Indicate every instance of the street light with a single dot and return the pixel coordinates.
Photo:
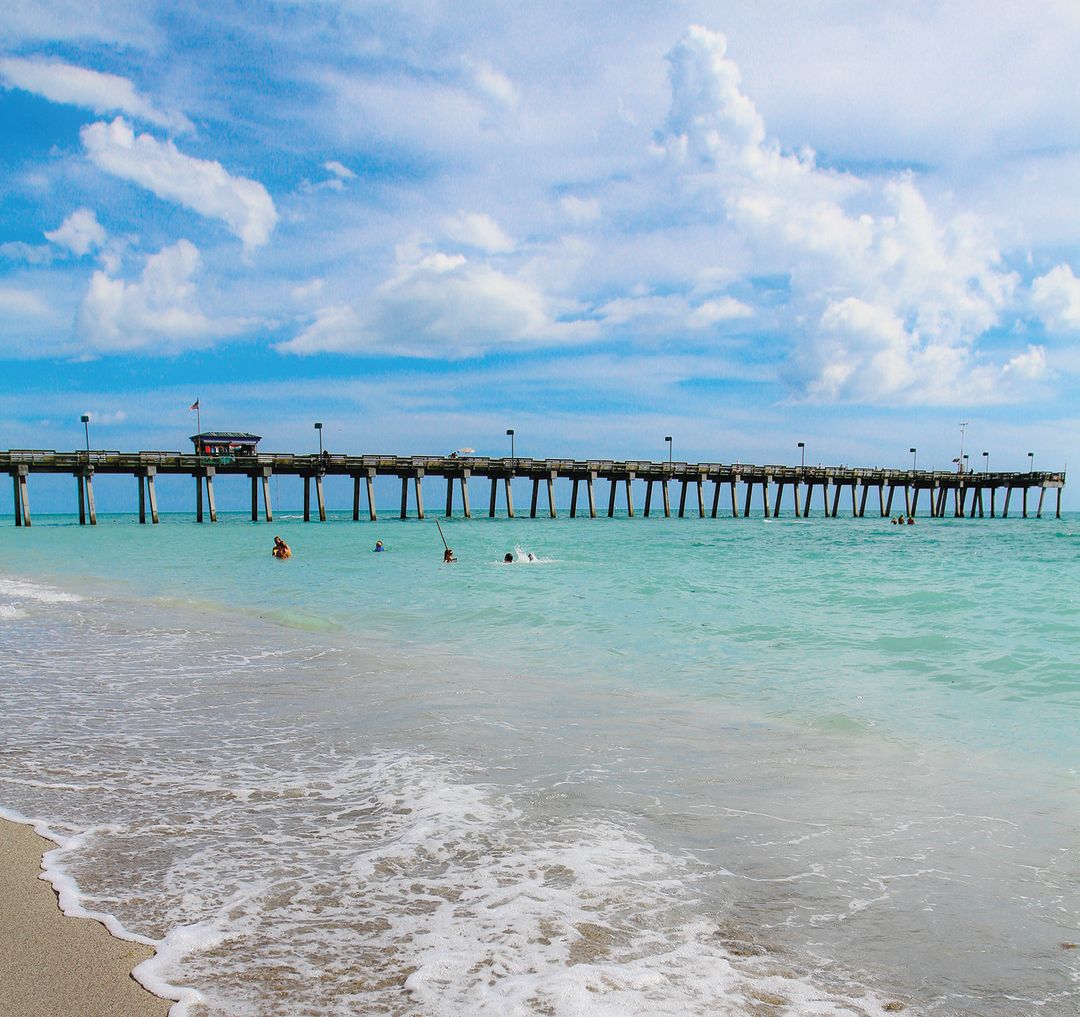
(510, 434)
(318, 427)
(85, 418)
(963, 464)
(962, 457)
(914, 456)
(1031, 462)
(802, 453)
(986, 462)
(667, 438)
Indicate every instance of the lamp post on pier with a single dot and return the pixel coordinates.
(510, 435)
(85, 418)
(963, 464)
(667, 438)
(318, 427)
(802, 454)
(986, 462)
(1031, 462)
(914, 457)
(960, 459)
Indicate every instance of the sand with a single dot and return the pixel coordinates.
(52, 965)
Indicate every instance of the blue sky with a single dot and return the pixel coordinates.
(745, 225)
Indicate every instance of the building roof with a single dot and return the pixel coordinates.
(234, 436)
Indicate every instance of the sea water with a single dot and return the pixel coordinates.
(668, 767)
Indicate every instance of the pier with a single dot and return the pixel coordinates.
(702, 489)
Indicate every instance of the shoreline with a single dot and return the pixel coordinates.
(52, 965)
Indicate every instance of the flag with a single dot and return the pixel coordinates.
(194, 405)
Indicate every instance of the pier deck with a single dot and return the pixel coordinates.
(972, 494)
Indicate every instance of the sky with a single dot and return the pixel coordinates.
(853, 225)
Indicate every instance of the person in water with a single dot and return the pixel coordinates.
(508, 559)
(378, 546)
(911, 520)
(448, 556)
(281, 549)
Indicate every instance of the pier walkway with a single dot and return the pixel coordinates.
(734, 484)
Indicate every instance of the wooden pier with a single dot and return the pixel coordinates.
(972, 495)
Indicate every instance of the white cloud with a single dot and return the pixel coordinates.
(341, 171)
(580, 211)
(492, 83)
(20, 303)
(156, 313)
(77, 86)
(671, 314)
(80, 232)
(1056, 298)
(206, 187)
(900, 297)
(32, 254)
(475, 229)
(442, 306)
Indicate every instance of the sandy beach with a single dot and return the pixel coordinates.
(52, 965)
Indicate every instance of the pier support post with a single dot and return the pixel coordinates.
(573, 498)
(449, 496)
(371, 493)
(16, 499)
(152, 495)
(268, 510)
(198, 499)
(404, 497)
(1058, 513)
(418, 484)
(862, 499)
(682, 498)
(810, 498)
(648, 497)
(509, 496)
(1042, 494)
(835, 503)
(320, 500)
(91, 509)
(535, 497)
(667, 498)
(886, 509)
(779, 498)
(82, 499)
(993, 501)
(716, 497)
(22, 496)
(795, 487)
(611, 498)
(210, 502)
(465, 493)
(254, 498)
(592, 494)
(881, 499)
(979, 495)
(629, 495)
(307, 498)
(356, 497)
(749, 495)
(700, 485)
(914, 506)
(941, 495)
(142, 498)
(765, 496)
(734, 498)
(551, 494)
(491, 500)
(1008, 498)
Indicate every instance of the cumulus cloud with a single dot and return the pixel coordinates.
(80, 232)
(475, 229)
(340, 170)
(156, 313)
(67, 84)
(201, 185)
(1056, 298)
(895, 296)
(673, 312)
(442, 306)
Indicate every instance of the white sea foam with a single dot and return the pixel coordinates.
(22, 589)
(9, 612)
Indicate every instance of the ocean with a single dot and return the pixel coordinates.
(669, 767)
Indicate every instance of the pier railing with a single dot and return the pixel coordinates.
(972, 493)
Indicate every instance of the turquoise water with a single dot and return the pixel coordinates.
(672, 766)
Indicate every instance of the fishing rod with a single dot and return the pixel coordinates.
(444, 543)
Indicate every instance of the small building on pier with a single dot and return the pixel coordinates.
(225, 443)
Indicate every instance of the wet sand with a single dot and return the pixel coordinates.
(52, 965)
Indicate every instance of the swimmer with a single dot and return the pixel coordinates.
(911, 520)
(448, 557)
(531, 556)
(508, 559)
(378, 546)
(281, 549)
